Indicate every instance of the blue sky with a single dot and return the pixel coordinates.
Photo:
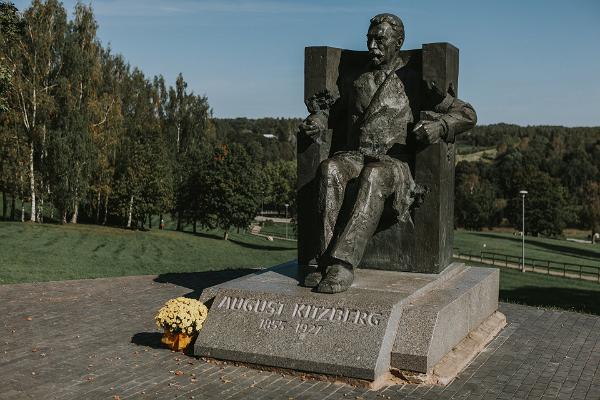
(524, 62)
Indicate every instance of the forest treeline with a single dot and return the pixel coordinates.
(559, 167)
(86, 136)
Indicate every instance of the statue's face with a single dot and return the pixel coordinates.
(382, 43)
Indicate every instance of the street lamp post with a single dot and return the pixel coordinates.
(286, 222)
(523, 193)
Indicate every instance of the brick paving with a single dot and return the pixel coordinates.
(96, 339)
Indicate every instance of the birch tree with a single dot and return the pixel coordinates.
(74, 154)
(36, 63)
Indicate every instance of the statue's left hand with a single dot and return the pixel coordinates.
(429, 132)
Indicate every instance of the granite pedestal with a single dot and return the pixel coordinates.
(387, 319)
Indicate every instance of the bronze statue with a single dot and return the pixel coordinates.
(381, 120)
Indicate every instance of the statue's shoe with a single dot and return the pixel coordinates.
(312, 279)
(338, 278)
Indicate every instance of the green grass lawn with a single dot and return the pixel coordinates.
(548, 291)
(43, 252)
(540, 248)
(278, 229)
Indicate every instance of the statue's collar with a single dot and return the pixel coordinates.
(400, 61)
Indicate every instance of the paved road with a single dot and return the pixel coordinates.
(95, 339)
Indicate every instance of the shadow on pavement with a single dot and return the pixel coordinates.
(148, 339)
(198, 281)
(579, 300)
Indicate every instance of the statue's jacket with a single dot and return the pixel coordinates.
(382, 109)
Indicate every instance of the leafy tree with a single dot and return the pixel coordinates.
(279, 185)
(36, 62)
(592, 206)
(107, 131)
(546, 209)
(474, 202)
(143, 173)
(10, 29)
(230, 189)
(72, 149)
(188, 126)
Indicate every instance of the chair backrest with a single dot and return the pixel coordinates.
(425, 243)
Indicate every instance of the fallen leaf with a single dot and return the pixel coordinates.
(29, 318)
(178, 373)
(34, 350)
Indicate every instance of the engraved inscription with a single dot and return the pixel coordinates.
(308, 328)
(272, 324)
(309, 319)
(333, 314)
(251, 305)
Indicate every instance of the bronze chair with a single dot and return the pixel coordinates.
(424, 243)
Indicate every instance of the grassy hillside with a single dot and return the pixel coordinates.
(540, 248)
(466, 153)
(548, 291)
(42, 252)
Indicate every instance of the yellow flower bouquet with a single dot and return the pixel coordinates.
(182, 319)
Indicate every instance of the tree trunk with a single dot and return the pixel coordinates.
(130, 213)
(40, 209)
(105, 209)
(75, 212)
(194, 226)
(150, 221)
(13, 207)
(179, 224)
(75, 207)
(22, 211)
(31, 184)
(64, 217)
(4, 205)
(98, 208)
(226, 235)
(52, 207)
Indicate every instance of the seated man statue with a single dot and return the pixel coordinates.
(380, 121)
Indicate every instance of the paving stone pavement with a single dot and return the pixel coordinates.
(96, 339)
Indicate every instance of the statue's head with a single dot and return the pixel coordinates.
(385, 38)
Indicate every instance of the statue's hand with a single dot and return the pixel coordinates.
(313, 125)
(429, 132)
